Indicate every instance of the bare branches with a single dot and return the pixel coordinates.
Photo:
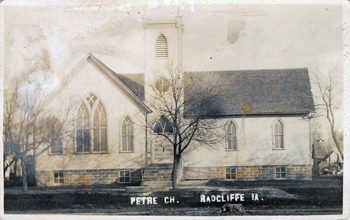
(180, 107)
(27, 124)
(327, 103)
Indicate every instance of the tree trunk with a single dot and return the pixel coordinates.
(24, 175)
(15, 171)
(5, 166)
(174, 174)
(337, 144)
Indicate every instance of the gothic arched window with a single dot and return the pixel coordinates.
(278, 135)
(163, 126)
(161, 46)
(91, 126)
(54, 129)
(231, 137)
(127, 135)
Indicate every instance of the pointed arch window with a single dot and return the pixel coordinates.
(231, 137)
(162, 148)
(161, 46)
(127, 135)
(164, 126)
(55, 135)
(91, 126)
(278, 135)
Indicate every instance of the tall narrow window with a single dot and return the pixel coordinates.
(83, 129)
(231, 137)
(55, 136)
(161, 46)
(91, 131)
(100, 129)
(278, 135)
(127, 135)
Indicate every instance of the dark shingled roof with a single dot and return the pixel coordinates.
(276, 91)
(135, 82)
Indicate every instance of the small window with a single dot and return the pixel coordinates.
(161, 46)
(231, 137)
(58, 178)
(278, 135)
(124, 176)
(281, 172)
(231, 173)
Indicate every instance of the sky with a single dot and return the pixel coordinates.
(263, 37)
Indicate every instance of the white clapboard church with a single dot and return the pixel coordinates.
(110, 145)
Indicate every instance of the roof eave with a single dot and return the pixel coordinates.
(252, 115)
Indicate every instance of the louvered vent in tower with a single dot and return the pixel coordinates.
(161, 46)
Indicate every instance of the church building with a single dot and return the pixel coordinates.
(110, 144)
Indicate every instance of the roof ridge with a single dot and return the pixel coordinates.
(215, 71)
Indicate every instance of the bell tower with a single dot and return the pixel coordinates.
(163, 49)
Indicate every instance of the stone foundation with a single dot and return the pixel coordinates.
(87, 177)
(108, 176)
(249, 173)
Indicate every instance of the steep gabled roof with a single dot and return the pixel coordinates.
(132, 85)
(271, 92)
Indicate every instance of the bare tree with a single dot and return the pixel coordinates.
(28, 128)
(328, 104)
(184, 104)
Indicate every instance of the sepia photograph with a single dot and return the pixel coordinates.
(153, 108)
